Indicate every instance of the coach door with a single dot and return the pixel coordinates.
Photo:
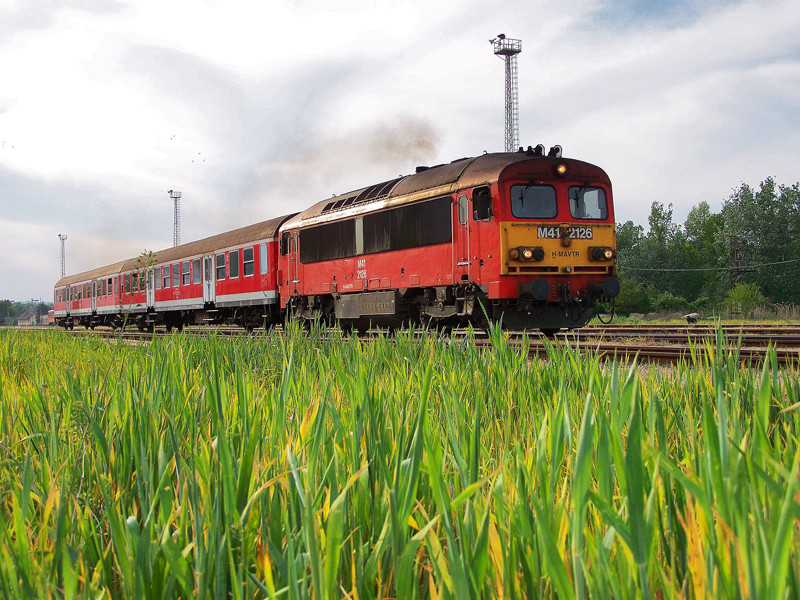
(209, 291)
(461, 262)
(151, 289)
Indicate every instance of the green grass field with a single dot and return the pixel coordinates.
(288, 466)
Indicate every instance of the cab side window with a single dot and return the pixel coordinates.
(481, 204)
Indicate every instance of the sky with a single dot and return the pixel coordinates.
(259, 109)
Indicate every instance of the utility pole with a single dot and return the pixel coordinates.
(507, 49)
(176, 230)
(63, 239)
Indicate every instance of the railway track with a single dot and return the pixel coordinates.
(650, 343)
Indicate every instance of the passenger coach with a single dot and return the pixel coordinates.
(230, 277)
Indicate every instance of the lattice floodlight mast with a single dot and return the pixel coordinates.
(176, 235)
(507, 49)
(63, 239)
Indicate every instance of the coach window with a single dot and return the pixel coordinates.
(533, 201)
(248, 262)
(187, 276)
(103, 293)
(110, 285)
(127, 284)
(176, 274)
(588, 203)
(196, 273)
(220, 267)
(233, 264)
(165, 276)
(262, 258)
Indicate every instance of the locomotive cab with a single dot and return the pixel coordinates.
(557, 243)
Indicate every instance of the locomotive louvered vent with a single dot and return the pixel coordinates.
(370, 194)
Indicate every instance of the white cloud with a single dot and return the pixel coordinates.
(256, 109)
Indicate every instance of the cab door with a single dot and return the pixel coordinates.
(209, 291)
(461, 260)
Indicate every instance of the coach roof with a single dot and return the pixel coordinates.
(243, 235)
(229, 239)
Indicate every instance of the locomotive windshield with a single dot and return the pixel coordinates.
(533, 202)
(588, 203)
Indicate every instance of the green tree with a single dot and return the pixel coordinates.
(761, 228)
(743, 298)
(704, 249)
(6, 311)
(633, 297)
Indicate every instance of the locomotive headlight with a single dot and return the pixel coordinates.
(527, 254)
(513, 254)
(538, 253)
(601, 253)
(560, 168)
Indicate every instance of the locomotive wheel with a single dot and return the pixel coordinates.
(549, 333)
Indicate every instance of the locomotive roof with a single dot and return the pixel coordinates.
(441, 179)
(249, 233)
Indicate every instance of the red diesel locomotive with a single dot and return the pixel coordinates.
(521, 238)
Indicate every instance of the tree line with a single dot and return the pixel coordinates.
(744, 256)
(10, 310)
